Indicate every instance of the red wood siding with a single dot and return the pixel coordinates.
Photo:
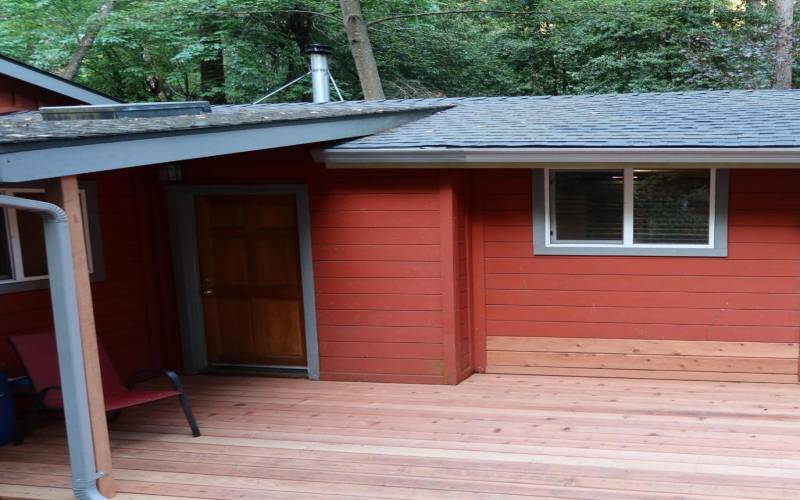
(135, 318)
(751, 296)
(16, 95)
(417, 271)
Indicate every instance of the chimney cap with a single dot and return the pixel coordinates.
(318, 48)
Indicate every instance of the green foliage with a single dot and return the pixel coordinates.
(513, 47)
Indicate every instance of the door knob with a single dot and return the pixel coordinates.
(207, 291)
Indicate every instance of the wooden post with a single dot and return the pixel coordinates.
(448, 275)
(477, 264)
(64, 193)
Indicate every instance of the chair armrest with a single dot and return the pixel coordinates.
(173, 377)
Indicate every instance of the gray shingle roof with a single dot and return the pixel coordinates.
(29, 127)
(763, 118)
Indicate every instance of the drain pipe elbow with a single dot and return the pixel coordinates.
(87, 491)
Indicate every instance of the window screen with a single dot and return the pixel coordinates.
(587, 206)
(671, 206)
(5, 260)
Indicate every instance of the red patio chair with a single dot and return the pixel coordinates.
(40, 359)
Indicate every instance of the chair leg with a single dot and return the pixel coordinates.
(187, 410)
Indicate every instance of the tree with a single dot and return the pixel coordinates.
(424, 48)
(784, 42)
(360, 46)
(87, 40)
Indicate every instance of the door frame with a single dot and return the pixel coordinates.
(186, 264)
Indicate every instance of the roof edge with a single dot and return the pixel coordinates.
(54, 83)
(505, 157)
(45, 160)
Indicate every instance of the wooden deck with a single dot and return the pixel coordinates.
(492, 436)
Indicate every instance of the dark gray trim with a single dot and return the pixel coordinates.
(48, 159)
(522, 157)
(720, 228)
(95, 240)
(187, 268)
(53, 83)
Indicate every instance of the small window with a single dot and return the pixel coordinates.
(630, 211)
(23, 256)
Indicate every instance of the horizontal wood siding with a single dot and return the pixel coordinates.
(377, 269)
(16, 95)
(721, 306)
(135, 318)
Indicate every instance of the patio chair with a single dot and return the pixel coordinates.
(40, 360)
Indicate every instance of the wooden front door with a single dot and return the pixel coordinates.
(250, 280)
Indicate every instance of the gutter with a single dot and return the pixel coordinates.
(68, 342)
(523, 157)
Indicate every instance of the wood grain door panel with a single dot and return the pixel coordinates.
(250, 273)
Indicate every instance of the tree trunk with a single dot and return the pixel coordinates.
(87, 40)
(212, 79)
(361, 48)
(784, 43)
(212, 70)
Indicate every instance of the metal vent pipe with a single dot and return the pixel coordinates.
(320, 76)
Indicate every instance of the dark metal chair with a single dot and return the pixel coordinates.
(40, 359)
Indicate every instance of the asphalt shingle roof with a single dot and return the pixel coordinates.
(29, 127)
(762, 118)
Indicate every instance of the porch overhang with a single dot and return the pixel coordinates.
(31, 161)
(517, 157)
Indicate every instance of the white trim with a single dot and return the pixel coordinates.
(627, 207)
(12, 232)
(712, 207)
(547, 201)
(627, 223)
(522, 157)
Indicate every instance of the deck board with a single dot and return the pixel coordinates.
(493, 436)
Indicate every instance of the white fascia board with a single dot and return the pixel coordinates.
(415, 157)
(53, 83)
(48, 159)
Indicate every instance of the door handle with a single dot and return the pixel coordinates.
(207, 287)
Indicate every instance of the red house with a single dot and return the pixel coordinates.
(421, 241)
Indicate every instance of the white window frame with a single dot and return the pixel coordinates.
(545, 244)
(15, 245)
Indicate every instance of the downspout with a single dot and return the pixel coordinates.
(68, 342)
